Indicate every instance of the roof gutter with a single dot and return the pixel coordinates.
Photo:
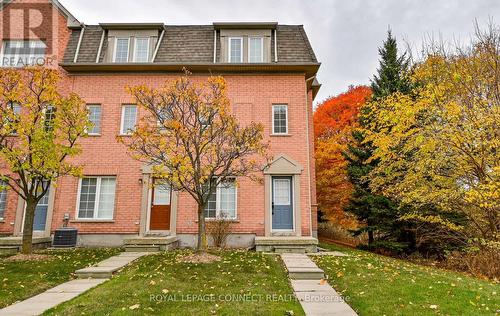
(309, 69)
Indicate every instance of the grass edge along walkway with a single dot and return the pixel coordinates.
(376, 285)
(23, 279)
(242, 283)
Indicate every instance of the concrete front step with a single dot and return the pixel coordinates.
(17, 241)
(142, 248)
(305, 273)
(301, 267)
(8, 250)
(148, 244)
(289, 249)
(96, 272)
(286, 244)
(106, 268)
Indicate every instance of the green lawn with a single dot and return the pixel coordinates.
(21, 280)
(242, 283)
(378, 285)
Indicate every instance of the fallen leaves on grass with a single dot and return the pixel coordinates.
(31, 257)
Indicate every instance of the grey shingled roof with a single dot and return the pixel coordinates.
(193, 44)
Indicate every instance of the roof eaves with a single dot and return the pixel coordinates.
(131, 26)
(245, 25)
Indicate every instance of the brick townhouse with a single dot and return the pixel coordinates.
(270, 71)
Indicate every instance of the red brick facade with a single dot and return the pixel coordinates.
(251, 96)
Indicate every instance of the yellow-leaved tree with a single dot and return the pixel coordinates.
(39, 129)
(439, 148)
(193, 141)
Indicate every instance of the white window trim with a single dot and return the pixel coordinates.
(261, 50)
(135, 49)
(286, 121)
(100, 120)
(97, 197)
(217, 201)
(122, 132)
(116, 46)
(229, 49)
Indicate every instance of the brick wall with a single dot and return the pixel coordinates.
(60, 33)
(252, 98)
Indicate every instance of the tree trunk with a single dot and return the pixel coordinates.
(29, 217)
(370, 237)
(202, 234)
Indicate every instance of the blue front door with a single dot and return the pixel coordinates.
(41, 213)
(282, 203)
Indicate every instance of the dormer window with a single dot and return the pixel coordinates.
(255, 49)
(121, 50)
(244, 42)
(235, 49)
(141, 50)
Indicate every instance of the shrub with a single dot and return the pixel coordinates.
(477, 261)
(219, 230)
(336, 232)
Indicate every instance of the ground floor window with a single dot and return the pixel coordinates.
(96, 197)
(222, 202)
(3, 197)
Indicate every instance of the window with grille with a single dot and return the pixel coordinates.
(96, 198)
(222, 203)
(95, 119)
(121, 50)
(141, 50)
(235, 50)
(129, 119)
(280, 119)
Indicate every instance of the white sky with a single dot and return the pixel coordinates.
(344, 34)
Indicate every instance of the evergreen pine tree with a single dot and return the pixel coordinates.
(378, 212)
(392, 72)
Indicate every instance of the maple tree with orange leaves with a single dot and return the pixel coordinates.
(333, 123)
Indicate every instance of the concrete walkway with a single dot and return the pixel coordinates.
(315, 295)
(36, 305)
(89, 278)
(106, 268)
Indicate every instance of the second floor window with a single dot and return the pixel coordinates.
(121, 50)
(280, 119)
(235, 50)
(95, 118)
(20, 53)
(141, 50)
(255, 49)
(129, 119)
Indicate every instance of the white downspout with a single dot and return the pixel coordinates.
(309, 159)
(215, 46)
(275, 46)
(79, 44)
(158, 45)
(100, 47)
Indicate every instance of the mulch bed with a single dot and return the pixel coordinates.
(199, 258)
